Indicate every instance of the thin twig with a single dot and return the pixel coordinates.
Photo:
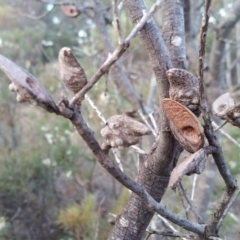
(106, 83)
(233, 199)
(94, 107)
(112, 215)
(67, 2)
(186, 208)
(144, 19)
(226, 135)
(117, 158)
(219, 127)
(138, 150)
(221, 210)
(194, 186)
(15, 216)
(153, 121)
(195, 177)
(98, 219)
(214, 238)
(151, 231)
(115, 55)
(36, 17)
(100, 115)
(192, 207)
(116, 9)
(147, 123)
(170, 226)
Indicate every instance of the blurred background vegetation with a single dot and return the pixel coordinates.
(51, 187)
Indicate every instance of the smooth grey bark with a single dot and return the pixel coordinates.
(118, 74)
(173, 31)
(154, 175)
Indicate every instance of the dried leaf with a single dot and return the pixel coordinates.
(26, 86)
(193, 164)
(71, 71)
(221, 105)
(184, 125)
(70, 10)
(184, 88)
(123, 131)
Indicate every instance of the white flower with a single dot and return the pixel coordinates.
(46, 161)
(49, 162)
(62, 139)
(67, 132)
(49, 138)
(44, 129)
(2, 223)
(68, 174)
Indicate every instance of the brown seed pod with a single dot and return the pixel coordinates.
(195, 163)
(70, 10)
(26, 86)
(221, 105)
(184, 88)
(184, 125)
(71, 71)
(123, 131)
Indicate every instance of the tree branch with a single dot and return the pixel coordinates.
(113, 57)
(209, 131)
(218, 155)
(221, 210)
(169, 234)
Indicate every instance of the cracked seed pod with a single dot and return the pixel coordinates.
(233, 115)
(184, 88)
(121, 130)
(184, 125)
(26, 86)
(71, 71)
(195, 163)
(221, 105)
(70, 10)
